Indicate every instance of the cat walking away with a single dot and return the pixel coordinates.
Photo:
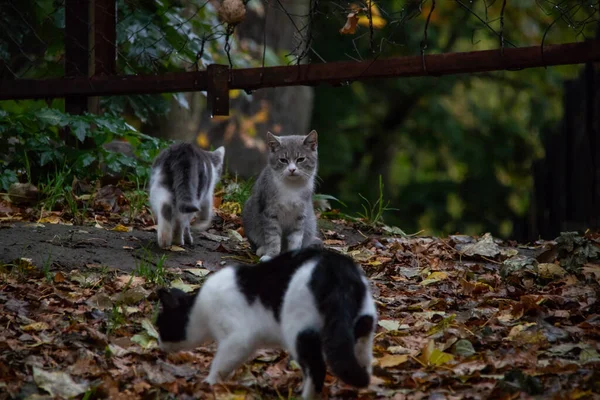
(182, 182)
(279, 215)
(314, 303)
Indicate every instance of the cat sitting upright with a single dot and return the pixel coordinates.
(182, 182)
(279, 214)
(315, 303)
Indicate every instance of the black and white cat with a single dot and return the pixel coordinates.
(181, 185)
(314, 303)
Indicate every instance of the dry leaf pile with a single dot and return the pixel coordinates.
(460, 317)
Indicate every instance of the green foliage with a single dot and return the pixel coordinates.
(36, 151)
(372, 213)
(237, 190)
(152, 273)
(455, 152)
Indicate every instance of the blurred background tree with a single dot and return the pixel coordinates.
(455, 153)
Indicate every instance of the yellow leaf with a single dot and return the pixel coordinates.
(350, 27)
(438, 357)
(550, 270)
(235, 93)
(261, 116)
(121, 228)
(36, 326)
(175, 248)
(202, 140)
(434, 277)
(231, 207)
(378, 22)
(50, 219)
(392, 360)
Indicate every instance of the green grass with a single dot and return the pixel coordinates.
(53, 190)
(237, 190)
(46, 268)
(156, 272)
(372, 213)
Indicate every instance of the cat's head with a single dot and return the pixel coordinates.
(173, 317)
(293, 158)
(217, 158)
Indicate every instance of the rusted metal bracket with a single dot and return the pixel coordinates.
(218, 89)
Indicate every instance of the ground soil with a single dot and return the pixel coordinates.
(67, 247)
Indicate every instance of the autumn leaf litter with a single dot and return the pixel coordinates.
(460, 317)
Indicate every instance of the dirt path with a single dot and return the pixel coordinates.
(67, 247)
(72, 247)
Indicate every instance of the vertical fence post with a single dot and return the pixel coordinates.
(76, 56)
(103, 14)
(76, 49)
(218, 89)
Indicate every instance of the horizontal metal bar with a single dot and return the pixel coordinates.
(309, 74)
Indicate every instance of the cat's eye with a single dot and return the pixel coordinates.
(300, 159)
(283, 160)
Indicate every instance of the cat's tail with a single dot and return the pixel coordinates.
(338, 343)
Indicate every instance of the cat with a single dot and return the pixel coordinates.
(313, 302)
(279, 214)
(182, 182)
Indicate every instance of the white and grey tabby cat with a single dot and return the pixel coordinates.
(279, 215)
(182, 182)
(314, 303)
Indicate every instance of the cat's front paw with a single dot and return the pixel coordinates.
(265, 258)
(210, 380)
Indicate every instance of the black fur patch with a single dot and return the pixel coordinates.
(174, 316)
(339, 292)
(363, 326)
(310, 357)
(167, 212)
(268, 281)
(336, 271)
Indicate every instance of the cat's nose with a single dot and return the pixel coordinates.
(292, 170)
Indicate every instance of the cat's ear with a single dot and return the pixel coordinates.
(310, 140)
(167, 299)
(273, 141)
(220, 154)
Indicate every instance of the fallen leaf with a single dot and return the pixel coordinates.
(122, 228)
(132, 295)
(392, 360)
(179, 284)
(58, 383)
(175, 248)
(59, 277)
(129, 281)
(36, 327)
(198, 271)
(464, 348)
(550, 271)
(351, 23)
(389, 324)
(147, 325)
(485, 247)
(434, 277)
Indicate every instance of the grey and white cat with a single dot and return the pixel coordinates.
(279, 214)
(182, 182)
(314, 303)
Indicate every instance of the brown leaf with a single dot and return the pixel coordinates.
(351, 24)
(392, 360)
(59, 277)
